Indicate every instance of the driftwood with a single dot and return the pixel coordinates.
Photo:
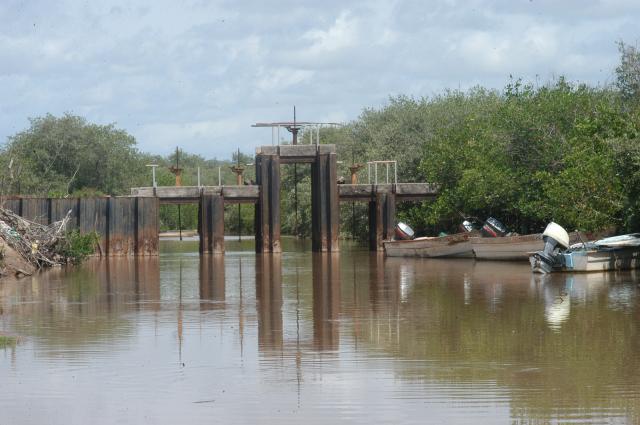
(36, 242)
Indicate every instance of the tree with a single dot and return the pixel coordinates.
(56, 156)
(628, 72)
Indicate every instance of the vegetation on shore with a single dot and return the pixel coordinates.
(526, 155)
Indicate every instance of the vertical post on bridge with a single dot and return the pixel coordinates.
(267, 221)
(382, 215)
(211, 222)
(325, 207)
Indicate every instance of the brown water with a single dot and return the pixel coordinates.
(302, 338)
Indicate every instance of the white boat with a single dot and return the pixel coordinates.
(614, 253)
(456, 245)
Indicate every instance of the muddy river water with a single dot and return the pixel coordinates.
(313, 339)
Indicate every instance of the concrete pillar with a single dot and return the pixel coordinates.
(211, 221)
(267, 221)
(325, 207)
(382, 216)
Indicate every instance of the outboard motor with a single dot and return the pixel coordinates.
(467, 226)
(555, 239)
(404, 232)
(492, 228)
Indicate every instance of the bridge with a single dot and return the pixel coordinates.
(129, 225)
(326, 194)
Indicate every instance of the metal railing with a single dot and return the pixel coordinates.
(387, 165)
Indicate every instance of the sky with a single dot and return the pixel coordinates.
(197, 74)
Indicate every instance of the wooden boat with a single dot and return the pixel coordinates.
(615, 253)
(515, 248)
(510, 248)
(456, 245)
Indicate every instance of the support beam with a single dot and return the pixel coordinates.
(325, 208)
(267, 221)
(211, 210)
(382, 216)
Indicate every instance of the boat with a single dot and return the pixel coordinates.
(456, 245)
(559, 255)
(497, 244)
(509, 248)
(516, 247)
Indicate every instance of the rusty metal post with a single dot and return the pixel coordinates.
(382, 215)
(318, 205)
(325, 214)
(211, 224)
(333, 203)
(267, 221)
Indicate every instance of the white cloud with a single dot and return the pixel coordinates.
(342, 34)
(198, 74)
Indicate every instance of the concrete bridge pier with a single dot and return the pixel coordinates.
(211, 223)
(267, 219)
(382, 217)
(325, 207)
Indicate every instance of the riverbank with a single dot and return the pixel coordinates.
(12, 264)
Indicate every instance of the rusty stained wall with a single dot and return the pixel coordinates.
(125, 225)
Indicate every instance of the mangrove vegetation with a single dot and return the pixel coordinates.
(526, 154)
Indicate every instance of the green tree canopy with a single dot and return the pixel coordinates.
(60, 155)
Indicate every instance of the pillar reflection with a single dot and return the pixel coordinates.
(211, 281)
(269, 302)
(384, 282)
(326, 301)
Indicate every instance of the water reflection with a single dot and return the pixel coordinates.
(316, 338)
(212, 282)
(557, 303)
(269, 302)
(326, 302)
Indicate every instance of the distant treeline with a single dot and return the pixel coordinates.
(527, 154)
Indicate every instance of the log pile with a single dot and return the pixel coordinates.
(36, 242)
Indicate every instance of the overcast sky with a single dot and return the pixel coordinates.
(199, 73)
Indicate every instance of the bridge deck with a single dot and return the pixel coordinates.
(191, 194)
(250, 193)
(403, 191)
